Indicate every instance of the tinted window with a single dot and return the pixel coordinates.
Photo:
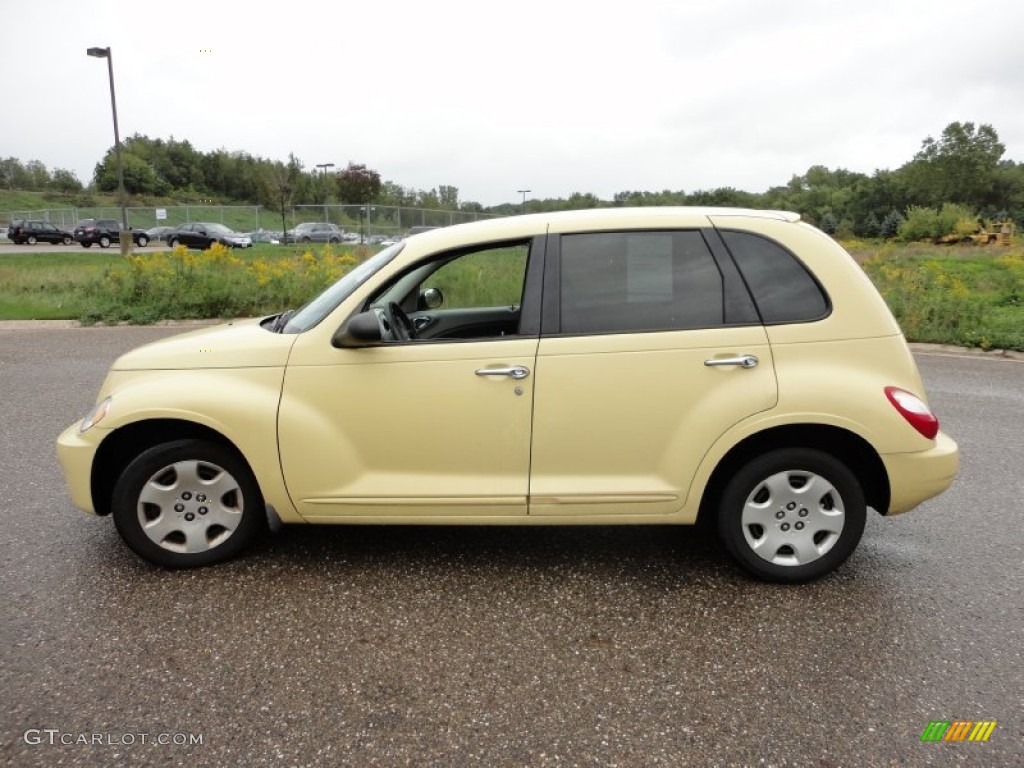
(616, 282)
(785, 292)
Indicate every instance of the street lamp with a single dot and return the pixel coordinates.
(125, 238)
(523, 192)
(325, 166)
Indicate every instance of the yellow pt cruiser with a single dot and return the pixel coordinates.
(616, 366)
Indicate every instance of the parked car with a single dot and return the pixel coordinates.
(203, 234)
(105, 232)
(615, 366)
(27, 231)
(315, 232)
(159, 233)
(265, 236)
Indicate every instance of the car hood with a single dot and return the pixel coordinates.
(238, 344)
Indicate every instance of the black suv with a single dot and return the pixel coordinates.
(24, 231)
(105, 232)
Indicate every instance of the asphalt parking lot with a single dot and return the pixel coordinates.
(6, 246)
(376, 646)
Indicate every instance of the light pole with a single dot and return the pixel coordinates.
(325, 166)
(524, 193)
(126, 237)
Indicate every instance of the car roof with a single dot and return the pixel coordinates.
(592, 219)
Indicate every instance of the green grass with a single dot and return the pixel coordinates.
(970, 296)
(65, 284)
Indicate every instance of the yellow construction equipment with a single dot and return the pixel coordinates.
(999, 232)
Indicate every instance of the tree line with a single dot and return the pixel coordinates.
(964, 166)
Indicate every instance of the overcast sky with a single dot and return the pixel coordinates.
(554, 96)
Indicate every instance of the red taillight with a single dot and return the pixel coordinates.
(914, 410)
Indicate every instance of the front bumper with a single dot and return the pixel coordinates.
(917, 477)
(76, 452)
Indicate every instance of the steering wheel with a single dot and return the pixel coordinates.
(402, 328)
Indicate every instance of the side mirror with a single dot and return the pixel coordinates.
(361, 330)
(431, 298)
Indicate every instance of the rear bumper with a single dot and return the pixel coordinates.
(917, 477)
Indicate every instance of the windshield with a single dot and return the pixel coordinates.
(218, 229)
(317, 309)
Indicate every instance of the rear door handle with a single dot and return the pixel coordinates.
(516, 372)
(743, 361)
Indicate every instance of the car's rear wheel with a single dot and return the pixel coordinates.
(143, 241)
(792, 515)
(31, 240)
(335, 240)
(104, 242)
(188, 503)
(66, 240)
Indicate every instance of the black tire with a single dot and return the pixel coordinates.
(792, 515)
(335, 240)
(304, 240)
(143, 241)
(67, 240)
(173, 242)
(174, 476)
(104, 241)
(31, 240)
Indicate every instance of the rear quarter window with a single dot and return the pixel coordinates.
(783, 288)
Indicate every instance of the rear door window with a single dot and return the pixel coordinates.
(624, 282)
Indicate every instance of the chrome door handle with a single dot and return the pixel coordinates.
(744, 361)
(516, 372)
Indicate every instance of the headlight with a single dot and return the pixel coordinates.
(95, 416)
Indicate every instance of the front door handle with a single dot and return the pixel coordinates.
(744, 361)
(516, 372)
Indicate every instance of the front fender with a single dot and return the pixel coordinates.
(239, 403)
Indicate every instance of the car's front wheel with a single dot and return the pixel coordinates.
(31, 240)
(188, 503)
(792, 515)
(173, 242)
(143, 241)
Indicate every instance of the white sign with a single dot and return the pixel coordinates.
(161, 214)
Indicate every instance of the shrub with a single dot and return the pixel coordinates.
(930, 224)
(214, 283)
(890, 225)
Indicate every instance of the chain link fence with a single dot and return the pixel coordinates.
(366, 221)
